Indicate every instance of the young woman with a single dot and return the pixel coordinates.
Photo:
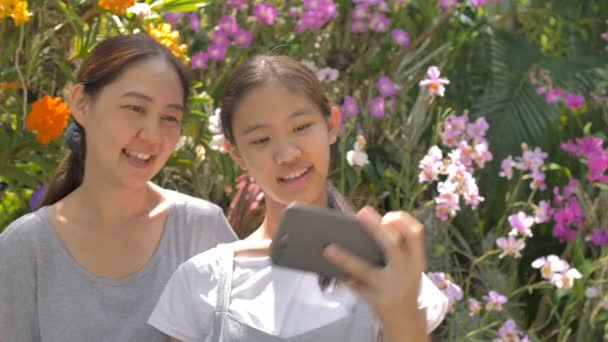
(279, 125)
(92, 262)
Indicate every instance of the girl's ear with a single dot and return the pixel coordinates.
(234, 153)
(79, 103)
(334, 124)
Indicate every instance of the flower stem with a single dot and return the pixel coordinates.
(475, 262)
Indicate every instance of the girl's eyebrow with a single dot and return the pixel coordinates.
(300, 112)
(296, 113)
(253, 128)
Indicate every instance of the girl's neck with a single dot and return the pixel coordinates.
(272, 218)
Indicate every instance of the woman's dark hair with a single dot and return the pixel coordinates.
(107, 61)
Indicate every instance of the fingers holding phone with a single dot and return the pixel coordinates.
(393, 288)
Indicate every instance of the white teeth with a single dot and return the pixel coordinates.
(138, 155)
(296, 174)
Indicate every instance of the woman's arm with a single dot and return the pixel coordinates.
(18, 291)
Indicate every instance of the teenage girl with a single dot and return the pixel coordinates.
(279, 126)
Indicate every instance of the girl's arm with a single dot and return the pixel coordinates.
(411, 327)
(392, 291)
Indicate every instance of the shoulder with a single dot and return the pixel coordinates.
(22, 244)
(23, 232)
(186, 305)
(206, 264)
(193, 205)
(202, 216)
(198, 277)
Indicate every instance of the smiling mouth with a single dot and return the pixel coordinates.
(295, 175)
(138, 156)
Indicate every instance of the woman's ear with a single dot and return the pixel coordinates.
(234, 153)
(334, 124)
(79, 102)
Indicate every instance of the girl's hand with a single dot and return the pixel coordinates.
(391, 291)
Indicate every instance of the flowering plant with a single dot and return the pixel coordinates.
(453, 110)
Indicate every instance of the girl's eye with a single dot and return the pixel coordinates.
(260, 141)
(135, 108)
(302, 127)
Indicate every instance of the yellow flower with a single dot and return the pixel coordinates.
(581, 110)
(116, 6)
(15, 9)
(165, 35)
(20, 13)
(200, 152)
(48, 118)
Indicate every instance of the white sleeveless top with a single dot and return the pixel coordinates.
(216, 297)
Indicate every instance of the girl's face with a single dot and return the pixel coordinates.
(133, 124)
(283, 140)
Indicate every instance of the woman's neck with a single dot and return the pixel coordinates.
(97, 205)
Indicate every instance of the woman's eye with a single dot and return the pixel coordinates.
(170, 118)
(135, 108)
(302, 127)
(260, 141)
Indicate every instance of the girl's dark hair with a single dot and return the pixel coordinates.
(262, 69)
(296, 77)
(290, 73)
(107, 61)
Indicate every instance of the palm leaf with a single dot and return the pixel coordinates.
(514, 111)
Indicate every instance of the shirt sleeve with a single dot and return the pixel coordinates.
(434, 301)
(179, 313)
(225, 232)
(18, 293)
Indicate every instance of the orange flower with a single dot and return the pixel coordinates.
(7, 7)
(48, 118)
(9, 85)
(116, 6)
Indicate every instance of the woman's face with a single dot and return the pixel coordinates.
(132, 125)
(283, 140)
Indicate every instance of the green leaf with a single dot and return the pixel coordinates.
(601, 186)
(578, 256)
(200, 100)
(587, 129)
(553, 167)
(5, 140)
(180, 5)
(198, 114)
(72, 17)
(514, 111)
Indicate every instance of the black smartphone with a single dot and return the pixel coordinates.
(305, 231)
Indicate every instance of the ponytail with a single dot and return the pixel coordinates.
(67, 178)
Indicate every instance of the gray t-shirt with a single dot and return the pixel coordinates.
(46, 296)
